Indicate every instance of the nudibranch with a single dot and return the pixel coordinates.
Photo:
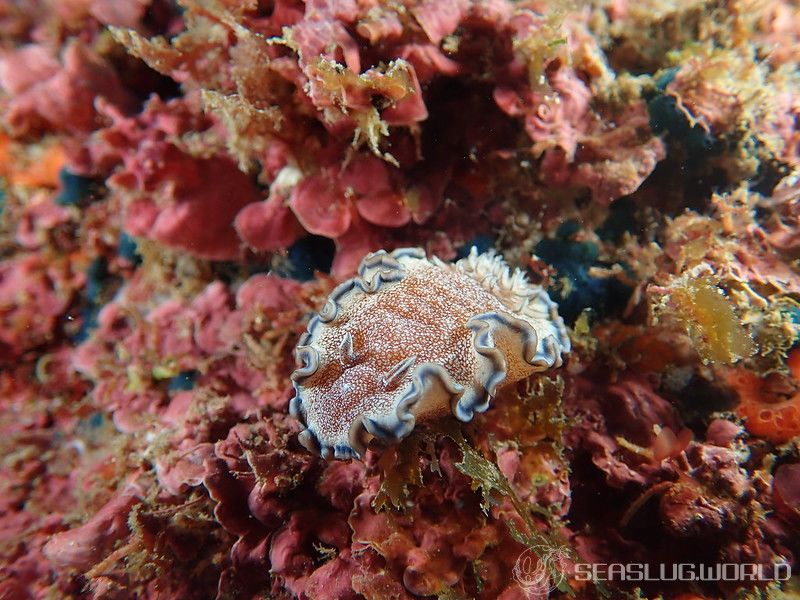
(412, 338)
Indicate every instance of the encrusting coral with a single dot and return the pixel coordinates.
(412, 338)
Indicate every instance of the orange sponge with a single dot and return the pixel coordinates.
(768, 414)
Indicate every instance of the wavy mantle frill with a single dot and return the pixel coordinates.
(411, 338)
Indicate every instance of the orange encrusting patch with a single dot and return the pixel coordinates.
(5, 154)
(41, 170)
(766, 413)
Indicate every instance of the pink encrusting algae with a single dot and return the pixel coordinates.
(529, 270)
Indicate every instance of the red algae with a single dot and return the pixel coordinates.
(183, 185)
(786, 489)
(58, 95)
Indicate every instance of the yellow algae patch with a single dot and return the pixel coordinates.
(709, 316)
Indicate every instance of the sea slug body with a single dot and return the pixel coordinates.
(411, 338)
